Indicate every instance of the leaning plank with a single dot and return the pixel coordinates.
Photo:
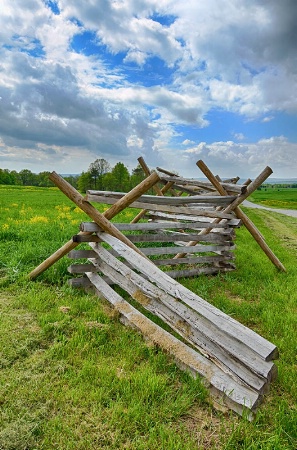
(257, 343)
(101, 219)
(229, 392)
(195, 328)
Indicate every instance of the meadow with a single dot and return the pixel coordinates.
(276, 197)
(73, 377)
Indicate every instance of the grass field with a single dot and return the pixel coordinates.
(276, 197)
(73, 377)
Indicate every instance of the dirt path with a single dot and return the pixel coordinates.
(287, 212)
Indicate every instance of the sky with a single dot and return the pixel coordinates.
(172, 81)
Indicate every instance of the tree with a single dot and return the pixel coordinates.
(137, 176)
(118, 179)
(43, 179)
(6, 177)
(73, 180)
(97, 169)
(84, 182)
(28, 178)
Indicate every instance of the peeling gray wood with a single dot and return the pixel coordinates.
(216, 200)
(194, 327)
(257, 343)
(223, 387)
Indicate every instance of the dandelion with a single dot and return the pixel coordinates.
(38, 219)
(5, 226)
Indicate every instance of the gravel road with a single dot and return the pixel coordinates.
(287, 212)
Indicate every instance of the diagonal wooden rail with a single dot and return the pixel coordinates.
(239, 199)
(101, 219)
(159, 192)
(244, 218)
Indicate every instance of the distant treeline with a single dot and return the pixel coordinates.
(268, 186)
(100, 175)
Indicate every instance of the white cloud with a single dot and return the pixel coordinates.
(235, 56)
(246, 159)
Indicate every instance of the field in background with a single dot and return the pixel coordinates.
(275, 197)
(73, 377)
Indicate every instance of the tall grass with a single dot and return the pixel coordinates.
(72, 377)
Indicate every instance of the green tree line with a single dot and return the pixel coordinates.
(99, 176)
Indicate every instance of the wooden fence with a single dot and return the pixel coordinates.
(185, 236)
(235, 362)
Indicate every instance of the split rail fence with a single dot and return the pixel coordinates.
(185, 236)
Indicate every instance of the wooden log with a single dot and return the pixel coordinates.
(207, 186)
(153, 226)
(258, 344)
(216, 238)
(226, 391)
(162, 200)
(251, 188)
(189, 273)
(243, 217)
(81, 254)
(159, 192)
(228, 256)
(196, 329)
(100, 219)
(150, 251)
(171, 209)
(79, 238)
(81, 268)
(80, 282)
(165, 217)
(142, 213)
(147, 172)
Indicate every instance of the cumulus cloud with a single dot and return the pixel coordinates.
(57, 100)
(246, 160)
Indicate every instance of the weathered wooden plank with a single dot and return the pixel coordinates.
(185, 249)
(205, 185)
(195, 260)
(81, 268)
(85, 238)
(171, 209)
(80, 282)
(184, 237)
(162, 200)
(196, 329)
(80, 254)
(185, 273)
(236, 396)
(230, 326)
(179, 217)
(151, 226)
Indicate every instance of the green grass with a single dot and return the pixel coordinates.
(276, 197)
(73, 377)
